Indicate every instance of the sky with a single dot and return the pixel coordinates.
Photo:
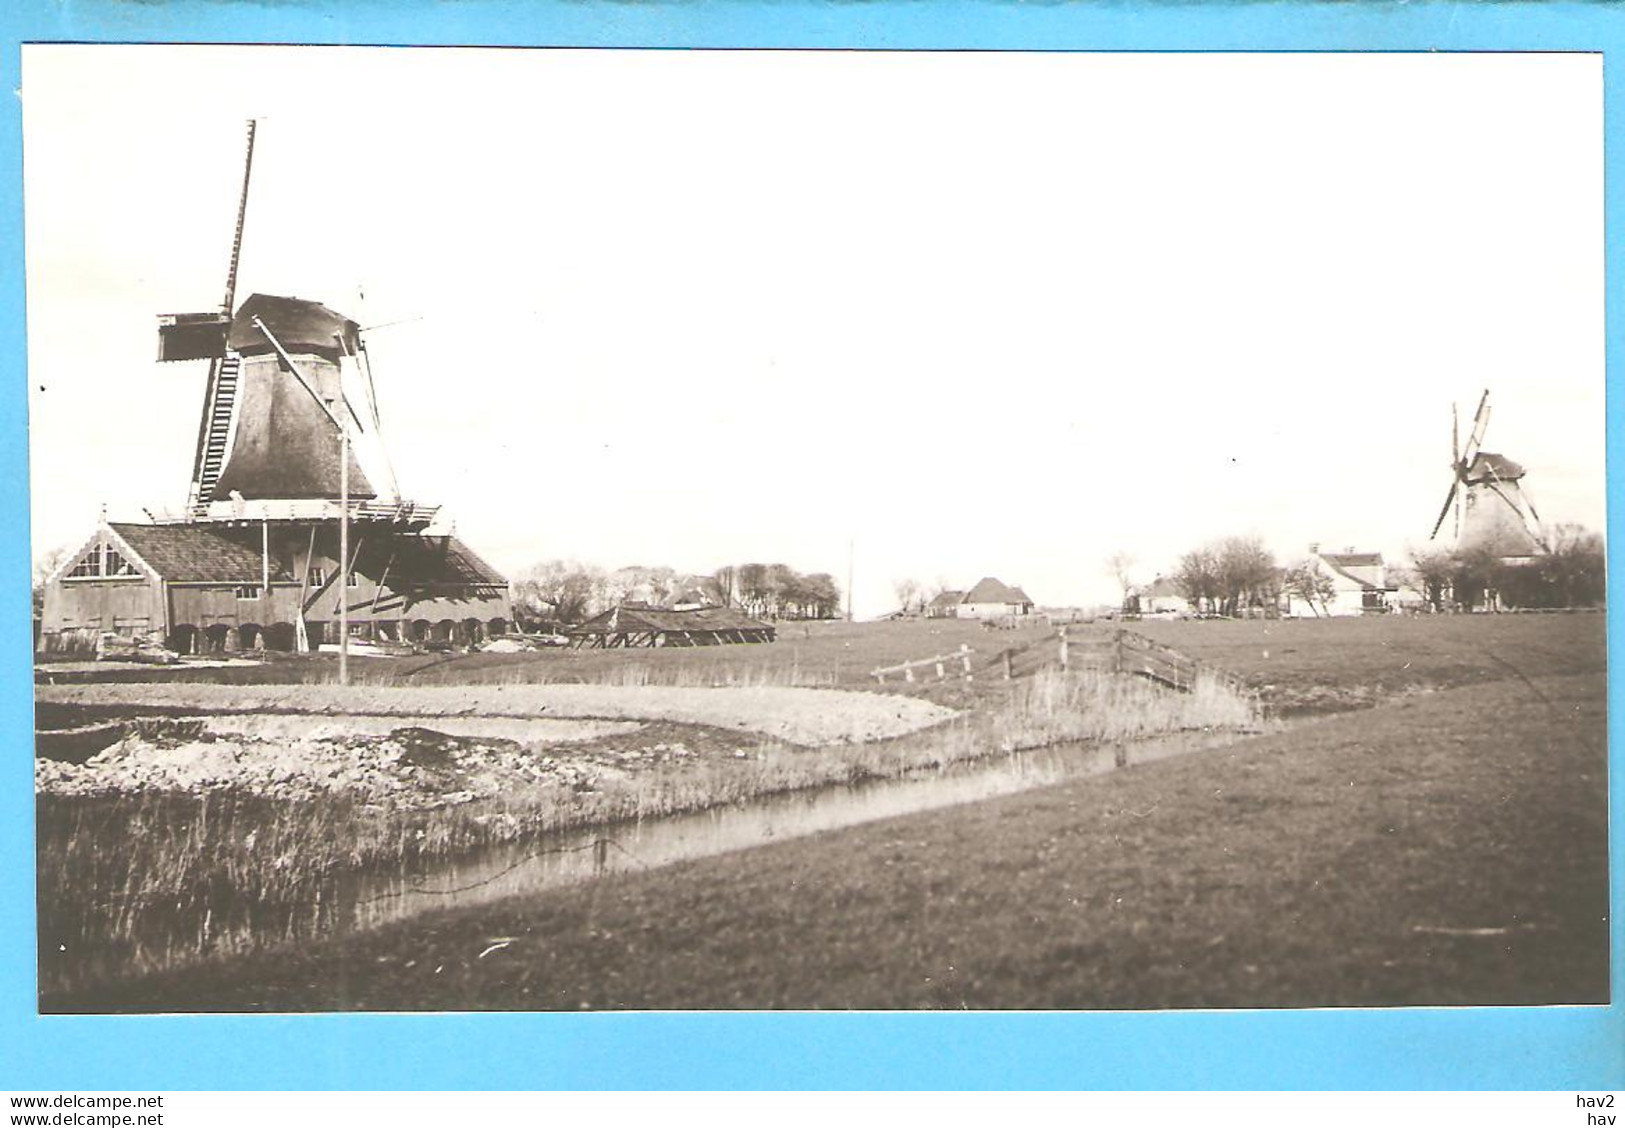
(944, 315)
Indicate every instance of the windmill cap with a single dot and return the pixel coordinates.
(300, 326)
(1486, 466)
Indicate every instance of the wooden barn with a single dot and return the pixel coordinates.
(219, 589)
(643, 626)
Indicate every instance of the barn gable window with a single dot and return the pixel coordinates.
(100, 561)
(248, 591)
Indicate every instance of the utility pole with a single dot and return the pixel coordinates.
(344, 552)
(849, 553)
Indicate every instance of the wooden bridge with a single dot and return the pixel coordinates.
(1120, 652)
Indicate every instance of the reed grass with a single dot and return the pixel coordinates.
(136, 883)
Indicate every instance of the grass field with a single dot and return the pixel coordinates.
(1300, 666)
(1445, 844)
(1441, 850)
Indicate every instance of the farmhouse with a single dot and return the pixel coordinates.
(992, 599)
(1162, 596)
(647, 626)
(214, 589)
(945, 605)
(1359, 585)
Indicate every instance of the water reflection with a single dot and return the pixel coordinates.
(580, 856)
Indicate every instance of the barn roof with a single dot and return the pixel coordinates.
(990, 590)
(1163, 587)
(651, 619)
(194, 554)
(203, 554)
(1362, 568)
(436, 560)
(947, 598)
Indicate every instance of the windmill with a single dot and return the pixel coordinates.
(277, 432)
(1491, 508)
(275, 365)
(294, 528)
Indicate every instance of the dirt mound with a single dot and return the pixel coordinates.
(410, 767)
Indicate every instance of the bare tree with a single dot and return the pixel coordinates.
(1306, 580)
(44, 564)
(1120, 565)
(907, 591)
(723, 584)
(1197, 578)
(560, 590)
(1248, 576)
(1431, 573)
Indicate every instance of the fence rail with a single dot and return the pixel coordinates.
(940, 661)
(1122, 652)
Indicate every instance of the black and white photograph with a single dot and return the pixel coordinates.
(678, 530)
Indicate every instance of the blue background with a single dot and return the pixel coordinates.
(1555, 1048)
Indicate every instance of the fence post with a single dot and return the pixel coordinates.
(908, 673)
(942, 675)
(1063, 648)
(964, 657)
(1007, 665)
(1117, 651)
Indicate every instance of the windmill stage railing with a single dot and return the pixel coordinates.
(311, 509)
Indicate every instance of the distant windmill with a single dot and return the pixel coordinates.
(1492, 510)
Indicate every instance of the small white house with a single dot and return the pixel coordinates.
(1162, 597)
(991, 599)
(1359, 586)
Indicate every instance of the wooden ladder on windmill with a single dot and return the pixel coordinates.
(215, 428)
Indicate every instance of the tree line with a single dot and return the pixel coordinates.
(1573, 574)
(1236, 576)
(567, 591)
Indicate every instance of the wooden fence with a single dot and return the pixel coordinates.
(940, 661)
(1120, 652)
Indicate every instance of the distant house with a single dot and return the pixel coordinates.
(691, 599)
(992, 599)
(945, 605)
(1359, 585)
(1163, 597)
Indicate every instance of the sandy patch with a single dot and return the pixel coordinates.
(801, 716)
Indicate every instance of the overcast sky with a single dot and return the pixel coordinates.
(979, 314)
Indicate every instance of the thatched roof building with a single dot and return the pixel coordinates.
(644, 626)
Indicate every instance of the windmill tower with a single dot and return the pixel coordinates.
(280, 368)
(1487, 500)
